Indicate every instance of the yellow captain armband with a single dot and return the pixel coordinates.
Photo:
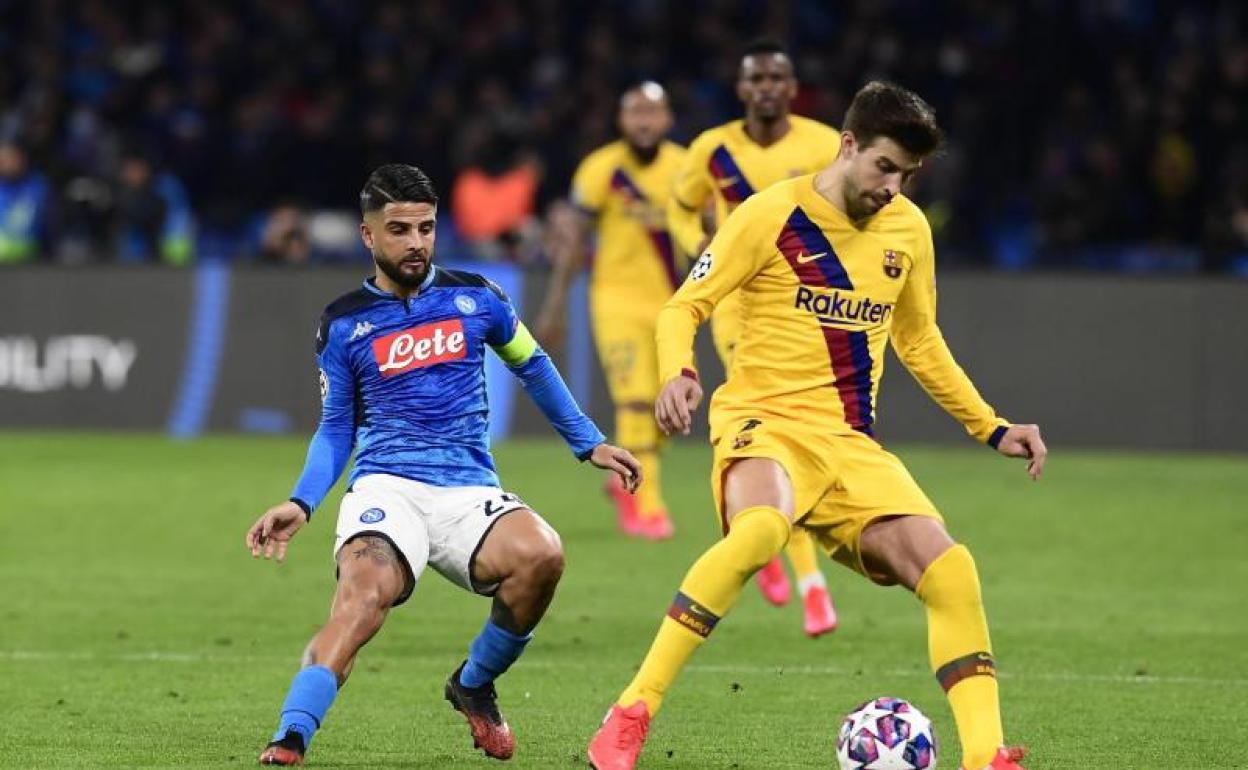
(520, 349)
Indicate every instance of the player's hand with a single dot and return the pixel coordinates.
(272, 532)
(1025, 441)
(676, 404)
(621, 461)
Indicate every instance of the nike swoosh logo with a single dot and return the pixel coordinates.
(804, 258)
(727, 182)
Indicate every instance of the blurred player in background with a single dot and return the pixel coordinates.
(403, 384)
(727, 164)
(830, 267)
(619, 193)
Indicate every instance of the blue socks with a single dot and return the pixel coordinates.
(311, 693)
(314, 688)
(491, 653)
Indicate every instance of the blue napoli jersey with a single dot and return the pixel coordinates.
(403, 382)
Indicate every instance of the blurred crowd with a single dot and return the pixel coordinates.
(1102, 133)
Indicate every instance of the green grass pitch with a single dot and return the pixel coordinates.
(135, 630)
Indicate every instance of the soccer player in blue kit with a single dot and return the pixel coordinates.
(403, 384)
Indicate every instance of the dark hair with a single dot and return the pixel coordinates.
(396, 183)
(887, 109)
(764, 45)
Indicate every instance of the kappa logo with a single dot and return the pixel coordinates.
(465, 304)
(894, 262)
(419, 347)
(324, 385)
(803, 257)
(361, 328)
(372, 516)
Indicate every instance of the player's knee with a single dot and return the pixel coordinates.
(901, 549)
(363, 606)
(951, 578)
(540, 557)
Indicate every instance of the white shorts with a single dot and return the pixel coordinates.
(439, 526)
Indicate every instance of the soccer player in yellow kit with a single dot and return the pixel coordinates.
(728, 164)
(830, 267)
(620, 190)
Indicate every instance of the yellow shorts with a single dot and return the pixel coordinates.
(841, 482)
(624, 336)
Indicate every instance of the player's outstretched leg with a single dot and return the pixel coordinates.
(372, 576)
(523, 556)
(919, 554)
(758, 500)
(818, 614)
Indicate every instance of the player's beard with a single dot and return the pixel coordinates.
(857, 204)
(643, 153)
(408, 279)
(770, 111)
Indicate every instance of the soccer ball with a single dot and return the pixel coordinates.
(886, 734)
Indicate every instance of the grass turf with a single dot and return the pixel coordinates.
(135, 631)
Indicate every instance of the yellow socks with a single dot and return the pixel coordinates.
(635, 430)
(709, 590)
(650, 493)
(961, 653)
(801, 553)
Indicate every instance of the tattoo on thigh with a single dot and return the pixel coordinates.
(376, 549)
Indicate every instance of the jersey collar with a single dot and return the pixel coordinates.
(370, 284)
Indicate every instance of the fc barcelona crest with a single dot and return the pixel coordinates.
(893, 262)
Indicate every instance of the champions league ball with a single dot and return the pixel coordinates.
(886, 734)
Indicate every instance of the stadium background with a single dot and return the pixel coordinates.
(177, 203)
(1091, 213)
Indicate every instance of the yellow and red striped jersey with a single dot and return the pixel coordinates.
(635, 256)
(819, 298)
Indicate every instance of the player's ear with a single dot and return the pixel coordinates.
(849, 145)
(366, 235)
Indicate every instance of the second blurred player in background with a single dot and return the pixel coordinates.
(619, 194)
(725, 165)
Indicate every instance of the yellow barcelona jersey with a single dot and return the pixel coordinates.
(725, 164)
(819, 299)
(635, 255)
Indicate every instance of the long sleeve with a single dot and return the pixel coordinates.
(690, 192)
(921, 347)
(331, 445)
(513, 343)
(731, 259)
